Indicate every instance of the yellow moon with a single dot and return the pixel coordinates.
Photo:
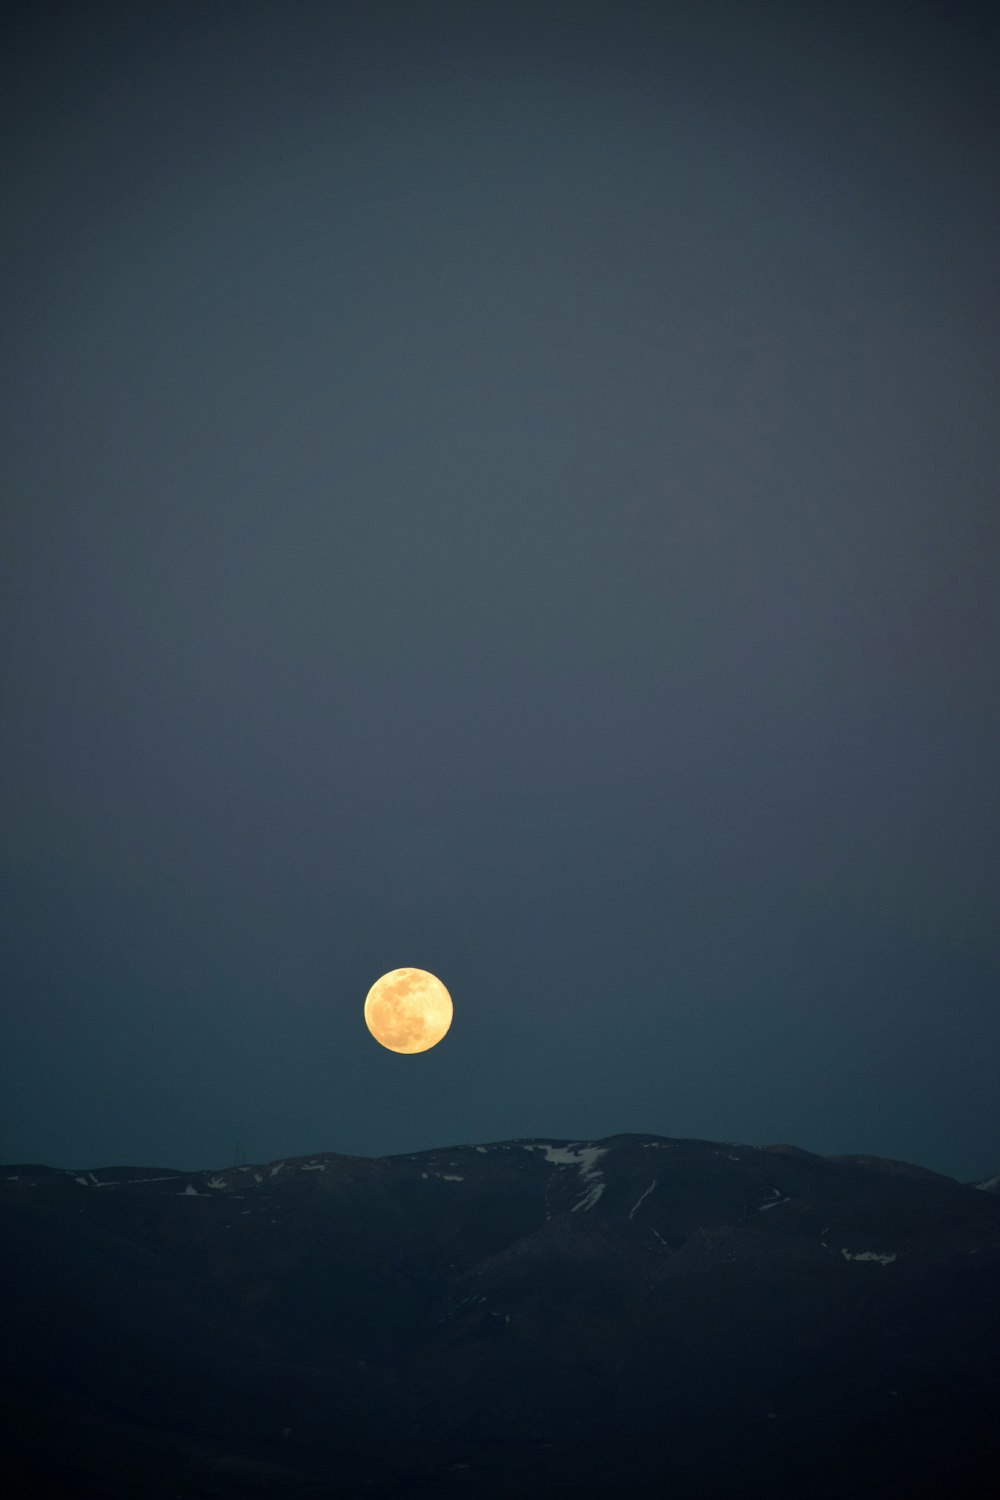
(408, 1010)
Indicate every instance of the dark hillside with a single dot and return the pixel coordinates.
(627, 1316)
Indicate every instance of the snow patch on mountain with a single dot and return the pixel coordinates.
(116, 1182)
(578, 1155)
(775, 1201)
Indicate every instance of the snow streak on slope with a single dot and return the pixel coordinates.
(631, 1212)
(582, 1156)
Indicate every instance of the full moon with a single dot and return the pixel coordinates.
(408, 1010)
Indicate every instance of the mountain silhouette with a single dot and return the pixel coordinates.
(637, 1315)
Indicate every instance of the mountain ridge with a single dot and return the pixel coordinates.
(778, 1148)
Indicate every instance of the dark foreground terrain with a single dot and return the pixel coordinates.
(634, 1316)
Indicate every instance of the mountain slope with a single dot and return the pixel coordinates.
(530, 1317)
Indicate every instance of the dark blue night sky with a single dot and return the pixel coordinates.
(512, 490)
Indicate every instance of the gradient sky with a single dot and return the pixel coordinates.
(512, 490)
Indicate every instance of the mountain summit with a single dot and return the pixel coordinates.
(637, 1315)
